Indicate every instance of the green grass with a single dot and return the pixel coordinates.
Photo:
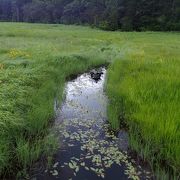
(142, 85)
(34, 67)
(144, 92)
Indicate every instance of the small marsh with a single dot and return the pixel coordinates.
(89, 149)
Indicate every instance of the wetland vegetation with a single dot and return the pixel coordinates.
(142, 85)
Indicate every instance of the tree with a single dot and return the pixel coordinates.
(106, 14)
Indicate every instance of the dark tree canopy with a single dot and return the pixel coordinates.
(106, 14)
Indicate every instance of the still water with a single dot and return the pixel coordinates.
(89, 150)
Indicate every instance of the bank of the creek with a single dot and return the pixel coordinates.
(89, 150)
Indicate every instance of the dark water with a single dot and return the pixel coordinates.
(89, 150)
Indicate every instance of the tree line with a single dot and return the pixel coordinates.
(127, 15)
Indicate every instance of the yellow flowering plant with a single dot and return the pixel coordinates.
(14, 53)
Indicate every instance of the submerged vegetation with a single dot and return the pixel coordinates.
(142, 85)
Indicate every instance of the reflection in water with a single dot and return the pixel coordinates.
(89, 150)
(85, 99)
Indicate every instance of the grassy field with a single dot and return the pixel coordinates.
(143, 87)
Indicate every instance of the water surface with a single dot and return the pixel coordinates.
(89, 149)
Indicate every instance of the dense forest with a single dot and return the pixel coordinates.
(106, 14)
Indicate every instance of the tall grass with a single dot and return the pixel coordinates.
(146, 95)
(24, 139)
(37, 59)
(32, 75)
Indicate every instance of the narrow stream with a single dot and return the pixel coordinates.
(89, 150)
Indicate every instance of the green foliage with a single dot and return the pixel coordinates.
(143, 88)
(139, 15)
(37, 59)
(31, 77)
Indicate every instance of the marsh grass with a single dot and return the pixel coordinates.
(31, 77)
(37, 59)
(25, 135)
(149, 100)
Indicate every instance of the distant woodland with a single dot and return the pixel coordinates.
(126, 15)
